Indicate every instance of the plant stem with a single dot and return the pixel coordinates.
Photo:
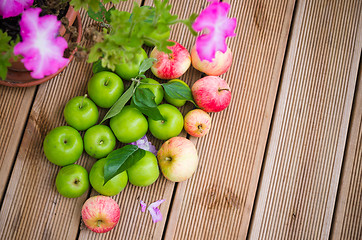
(81, 104)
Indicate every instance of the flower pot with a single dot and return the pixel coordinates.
(19, 76)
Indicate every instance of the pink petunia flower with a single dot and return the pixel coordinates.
(41, 47)
(12, 8)
(219, 27)
(144, 144)
(154, 211)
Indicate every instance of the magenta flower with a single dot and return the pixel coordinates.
(154, 211)
(219, 27)
(143, 206)
(12, 8)
(144, 144)
(41, 48)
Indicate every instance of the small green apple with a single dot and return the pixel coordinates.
(104, 88)
(72, 181)
(155, 88)
(131, 69)
(171, 126)
(81, 113)
(63, 145)
(173, 101)
(99, 141)
(113, 186)
(129, 125)
(145, 171)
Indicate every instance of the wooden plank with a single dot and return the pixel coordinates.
(299, 182)
(216, 202)
(134, 224)
(32, 201)
(15, 105)
(347, 221)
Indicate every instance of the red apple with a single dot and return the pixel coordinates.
(173, 65)
(219, 65)
(100, 214)
(178, 159)
(211, 94)
(197, 123)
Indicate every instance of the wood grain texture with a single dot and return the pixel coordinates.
(303, 160)
(216, 202)
(15, 105)
(134, 224)
(347, 221)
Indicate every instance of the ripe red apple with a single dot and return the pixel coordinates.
(197, 123)
(100, 214)
(173, 65)
(219, 65)
(211, 94)
(178, 159)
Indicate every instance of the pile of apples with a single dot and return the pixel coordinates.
(177, 158)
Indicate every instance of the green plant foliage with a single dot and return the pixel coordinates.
(127, 32)
(144, 100)
(6, 50)
(91, 4)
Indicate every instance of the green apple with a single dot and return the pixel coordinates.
(155, 88)
(129, 125)
(81, 113)
(104, 88)
(99, 141)
(171, 126)
(145, 171)
(72, 181)
(63, 145)
(131, 69)
(113, 186)
(173, 101)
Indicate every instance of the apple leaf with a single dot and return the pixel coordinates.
(120, 160)
(146, 64)
(178, 90)
(118, 106)
(97, 67)
(144, 100)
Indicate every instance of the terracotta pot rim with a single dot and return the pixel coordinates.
(12, 83)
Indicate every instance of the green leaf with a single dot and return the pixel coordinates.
(177, 90)
(120, 160)
(97, 67)
(121, 102)
(146, 64)
(98, 16)
(6, 52)
(144, 100)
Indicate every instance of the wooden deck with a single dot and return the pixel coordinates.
(284, 161)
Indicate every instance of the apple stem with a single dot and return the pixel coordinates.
(168, 159)
(99, 223)
(200, 128)
(81, 104)
(223, 89)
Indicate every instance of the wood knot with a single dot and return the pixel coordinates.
(232, 199)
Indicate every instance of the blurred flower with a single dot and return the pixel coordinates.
(12, 8)
(144, 144)
(218, 27)
(41, 48)
(143, 206)
(154, 211)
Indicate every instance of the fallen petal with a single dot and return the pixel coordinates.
(154, 211)
(144, 144)
(143, 206)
